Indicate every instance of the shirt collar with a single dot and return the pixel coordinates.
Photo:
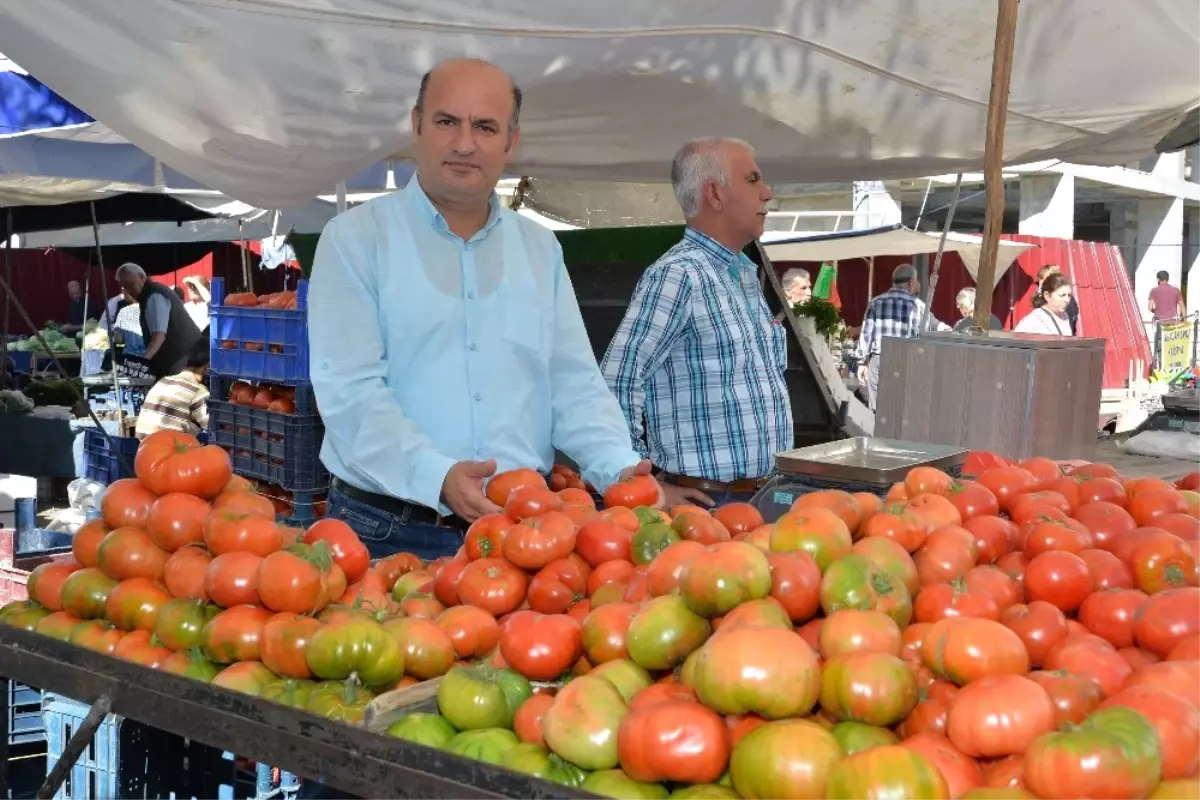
(419, 202)
(721, 253)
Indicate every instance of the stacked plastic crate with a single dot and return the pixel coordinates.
(261, 406)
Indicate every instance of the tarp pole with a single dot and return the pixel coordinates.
(112, 347)
(870, 286)
(993, 158)
(937, 259)
(341, 197)
(8, 237)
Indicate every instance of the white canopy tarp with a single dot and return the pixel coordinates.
(889, 241)
(275, 101)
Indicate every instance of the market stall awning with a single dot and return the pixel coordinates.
(27, 104)
(273, 103)
(132, 207)
(894, 240)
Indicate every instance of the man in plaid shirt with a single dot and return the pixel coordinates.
(897, 312)
(697, 363)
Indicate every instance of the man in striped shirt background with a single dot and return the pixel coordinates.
(697, 363)
(178, 402)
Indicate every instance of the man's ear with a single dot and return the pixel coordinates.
(414, 119)
(712, 196)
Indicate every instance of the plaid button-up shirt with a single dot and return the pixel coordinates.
(896, 312)
(697, 366)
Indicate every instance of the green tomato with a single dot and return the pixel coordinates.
(474, 698)
(650, 540)
(533, 759)
(191, 664)
(627, 676)
(615, 783)
(24, 614)
(339, 701)
(1114, 752)
(359, 647)
(854, 737)
(854, 581)
(646, 515)
(663, 632)
(431, 730)
(289, 692)
(489, 745)
(581, 724)
(705, 791)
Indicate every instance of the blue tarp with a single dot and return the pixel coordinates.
(27, 104)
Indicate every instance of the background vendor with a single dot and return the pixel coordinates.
(166, 325)
(178, 402)
(79, 308)
(446, 340)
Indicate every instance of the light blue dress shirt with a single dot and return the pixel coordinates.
(426, 350)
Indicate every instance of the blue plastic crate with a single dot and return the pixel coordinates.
(283, 449)
(305, 401)
(260, 344)
(23, 714)
(128, 759)
(106, 461)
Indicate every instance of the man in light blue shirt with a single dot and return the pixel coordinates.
(446, 341)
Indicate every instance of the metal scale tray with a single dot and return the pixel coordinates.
(865, 459)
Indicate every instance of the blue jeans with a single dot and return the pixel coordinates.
(385, 533)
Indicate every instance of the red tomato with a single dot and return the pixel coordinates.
(604, 630)
(183, 574)
(177, 520)
(1175, 720)
(940, 601)
(996, 582)
(1166, 619)
(1024, 507)
(742, 517)
(896, 522)
(531, 501)
(999, 716)
(961, 772)
(1188, 649)
(285, 639)
(494, 585)
(617, 572)
(229, 579)
(535, 542)
(349, 552)
(1074, 696)
(1181, 678)
(947, 554)
(1006, 483)
(795, 583)
(230, 531)
(126, 502)
(601, 541)
(665, 571)
(853, 631)
(1146, 506)
(541, 646)
(1061, 579)
(557, 587)
(235, 634)
(640, 490)
(676, 740)
(1041, 626)
(527, 722)
(473, 632)
(973, 499)
(966, 649)
(1042, 537)
(1162, 561)
(45, 584)
(486, 535)
(133, 604)
(501, 485)
(1107, 571)
(1110, 614)
(130, 553)
(1044, 470)
(1106, 521)
(294, 581)
(85, 546)
(844, 504)
(171, 461)
(1092, 658)
(993, 536)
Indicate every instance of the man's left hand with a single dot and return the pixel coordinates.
(644, 467)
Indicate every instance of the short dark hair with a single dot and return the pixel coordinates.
(197, 357)
(420, 104)
(1163, 275)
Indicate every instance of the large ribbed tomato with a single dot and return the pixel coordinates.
(1040, 625)
(133, 605)
(674, 740)
(875, 688)
(1073, 696)
(767, 671)
(130, 553)
(1166, 619)
(965, 649)
(540, 646)
(1176, 721)
(172, 461)
(177, 520)
(853, 631)
(816, 531)
(604, 632)
(582, 723)
(45, 583)
(889, 771)
(1113, 753)
(788, 758)
(998, 716)
(235, 634)
(126, 502)
(726, 575)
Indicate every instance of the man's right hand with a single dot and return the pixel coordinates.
(682, 496)
(862, 375)
(462, 490)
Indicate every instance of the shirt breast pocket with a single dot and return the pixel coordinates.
(525, 325)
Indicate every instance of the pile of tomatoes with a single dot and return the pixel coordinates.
(1027, 633)
(1024, 634)
(187, 571)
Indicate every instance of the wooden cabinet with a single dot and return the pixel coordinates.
(1014, 394)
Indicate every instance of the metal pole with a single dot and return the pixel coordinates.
(870, 286)
(8, 237)
(937, 259)
(112, 348)
(993, 159)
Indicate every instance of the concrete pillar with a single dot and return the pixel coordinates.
(1048, 206)
(1191, 164)
(1159, 245)
(1122, 227)
(1191, 257)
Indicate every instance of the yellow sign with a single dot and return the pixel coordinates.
(1176, 347)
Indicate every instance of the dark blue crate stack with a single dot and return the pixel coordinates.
(127, 759)
(267, 345)
(23, 714)
(106, 461)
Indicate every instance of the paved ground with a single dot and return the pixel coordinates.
(1135, 466)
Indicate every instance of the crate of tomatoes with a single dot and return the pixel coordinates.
(260, 337)
(261, 429)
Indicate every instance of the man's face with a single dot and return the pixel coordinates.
(463, 137)
(914, 287)
(744, 202)
(74, 290)
(131, 284)
(799, 290)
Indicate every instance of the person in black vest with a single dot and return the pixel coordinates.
(166, 325)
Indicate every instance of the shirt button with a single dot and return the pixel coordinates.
(478, 396)
(470, 295)
(472, 347)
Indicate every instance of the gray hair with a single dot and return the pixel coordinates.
(966, 298)
(698, 162)
(903, 274)
(130, 268)
(795, 274)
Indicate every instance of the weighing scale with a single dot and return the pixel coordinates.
(859, 464)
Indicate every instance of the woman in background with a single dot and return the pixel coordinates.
(1049, 315)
